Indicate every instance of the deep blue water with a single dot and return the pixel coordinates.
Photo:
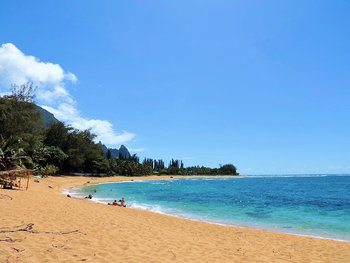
(317, 205)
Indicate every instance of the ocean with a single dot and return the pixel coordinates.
(312, 205)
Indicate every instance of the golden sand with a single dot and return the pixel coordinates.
(71, 230)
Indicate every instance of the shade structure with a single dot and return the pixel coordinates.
(13, 178)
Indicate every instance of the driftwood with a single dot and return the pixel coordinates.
(58, 233)
(8, 239)
(29, 228)
(3, 196)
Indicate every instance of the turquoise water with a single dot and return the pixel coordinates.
(316, 205)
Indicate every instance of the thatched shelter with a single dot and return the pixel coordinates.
(13, 178)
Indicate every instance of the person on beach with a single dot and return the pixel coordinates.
(114, 203)
(88, 197)
(122, 202)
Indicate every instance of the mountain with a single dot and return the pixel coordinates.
(123, 151)
(116, 153)
(48, 117)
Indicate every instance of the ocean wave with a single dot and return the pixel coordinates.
(287, 229)
(74, 192)
(147, 207)
(102, 200)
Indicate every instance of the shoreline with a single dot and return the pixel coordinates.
(174, 177)
(71, 229)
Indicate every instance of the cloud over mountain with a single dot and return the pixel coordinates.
(52, 93)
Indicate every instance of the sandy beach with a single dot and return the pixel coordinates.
(43, 225)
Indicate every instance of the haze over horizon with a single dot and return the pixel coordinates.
(262, 85)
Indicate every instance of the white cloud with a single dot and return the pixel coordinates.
(58, 92)
(136, 150)
(18, 68)
(51, 80)
(102, 128)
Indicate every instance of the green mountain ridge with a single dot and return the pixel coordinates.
(47, 117)
(122, 152)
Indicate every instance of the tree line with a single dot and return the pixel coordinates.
(25, 142)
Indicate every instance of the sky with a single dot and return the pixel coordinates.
(264, 85)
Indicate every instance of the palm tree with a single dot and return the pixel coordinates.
(11, 154)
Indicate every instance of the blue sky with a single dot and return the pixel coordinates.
(261, 84)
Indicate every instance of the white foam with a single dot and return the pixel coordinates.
(74, 191)
(153, 208)
(178, 214)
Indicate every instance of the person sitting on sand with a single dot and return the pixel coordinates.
(114, 203)
(88, 197)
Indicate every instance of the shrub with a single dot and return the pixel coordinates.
(47, 170)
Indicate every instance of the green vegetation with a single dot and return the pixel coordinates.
(30, 137)
(12, 156)
(18, 118)
(176, 167)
